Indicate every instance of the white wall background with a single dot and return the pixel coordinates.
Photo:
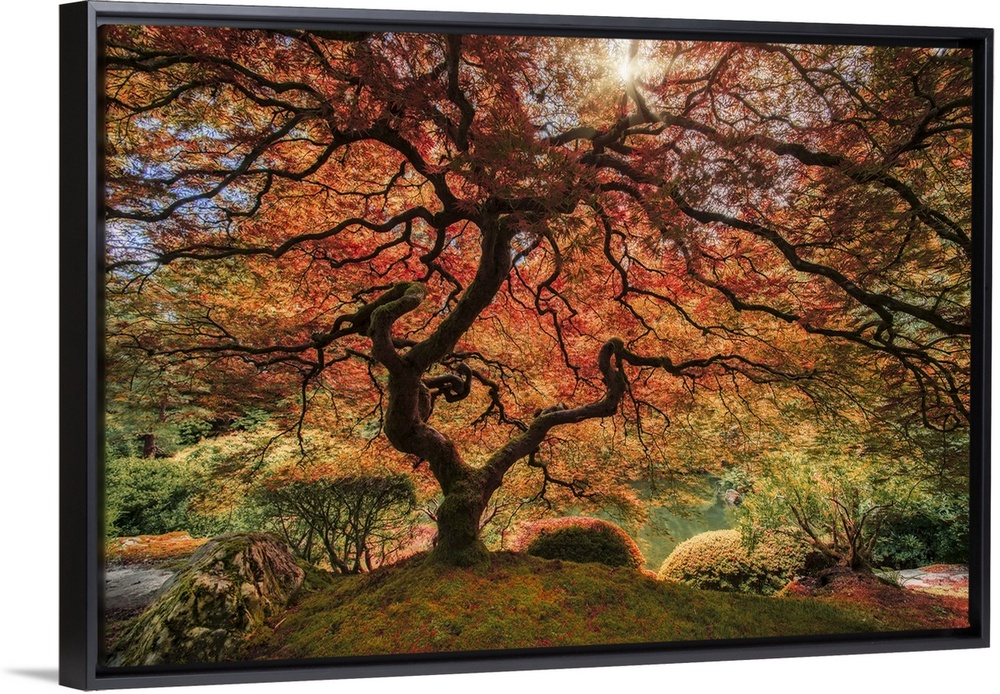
(29, 395)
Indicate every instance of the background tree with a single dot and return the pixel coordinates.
(359, 522)
(836, 506)
(477, 241)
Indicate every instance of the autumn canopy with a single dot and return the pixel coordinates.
(534, 271)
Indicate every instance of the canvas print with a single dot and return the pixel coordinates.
(435, 343)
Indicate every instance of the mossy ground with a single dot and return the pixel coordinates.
(898, 608)
(518, 601)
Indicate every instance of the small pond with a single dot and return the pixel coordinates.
(668, 526)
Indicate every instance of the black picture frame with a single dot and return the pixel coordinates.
(80, 572)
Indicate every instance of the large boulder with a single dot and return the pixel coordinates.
(229, 586)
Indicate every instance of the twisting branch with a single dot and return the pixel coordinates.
(522, 445)
(401, 299)
(453, 387)
(576, 488)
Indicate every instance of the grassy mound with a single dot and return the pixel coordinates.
(520, 601)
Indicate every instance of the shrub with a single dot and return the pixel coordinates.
(251, 420)
(580, 539)
(146, 496)
(929, 531)
(191, 431)
(719, 560)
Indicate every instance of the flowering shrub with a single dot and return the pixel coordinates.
(579, 539)
(719, 560)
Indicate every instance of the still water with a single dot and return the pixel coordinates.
(668, 526)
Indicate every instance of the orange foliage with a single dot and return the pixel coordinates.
(143, 548)
(749, 228)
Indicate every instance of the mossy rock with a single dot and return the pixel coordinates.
(719, 560)
(229, 586)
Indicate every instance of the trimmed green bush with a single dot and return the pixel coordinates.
(146, 496)
(719, 560)
(583, 540)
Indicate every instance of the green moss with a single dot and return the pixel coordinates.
(203, 614)
(458, 542)
(719, 560)
(519, 601)
(314, 578)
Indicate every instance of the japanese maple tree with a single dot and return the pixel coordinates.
(537, 249)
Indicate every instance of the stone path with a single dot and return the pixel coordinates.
(939, 576)
(132, 587)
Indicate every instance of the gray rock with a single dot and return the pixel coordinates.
(132, 587)
(229, 586)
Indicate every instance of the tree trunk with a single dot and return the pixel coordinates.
(148, 445)
(458, 542)
(857, 561)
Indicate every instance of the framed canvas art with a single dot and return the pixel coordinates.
(416, 342)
